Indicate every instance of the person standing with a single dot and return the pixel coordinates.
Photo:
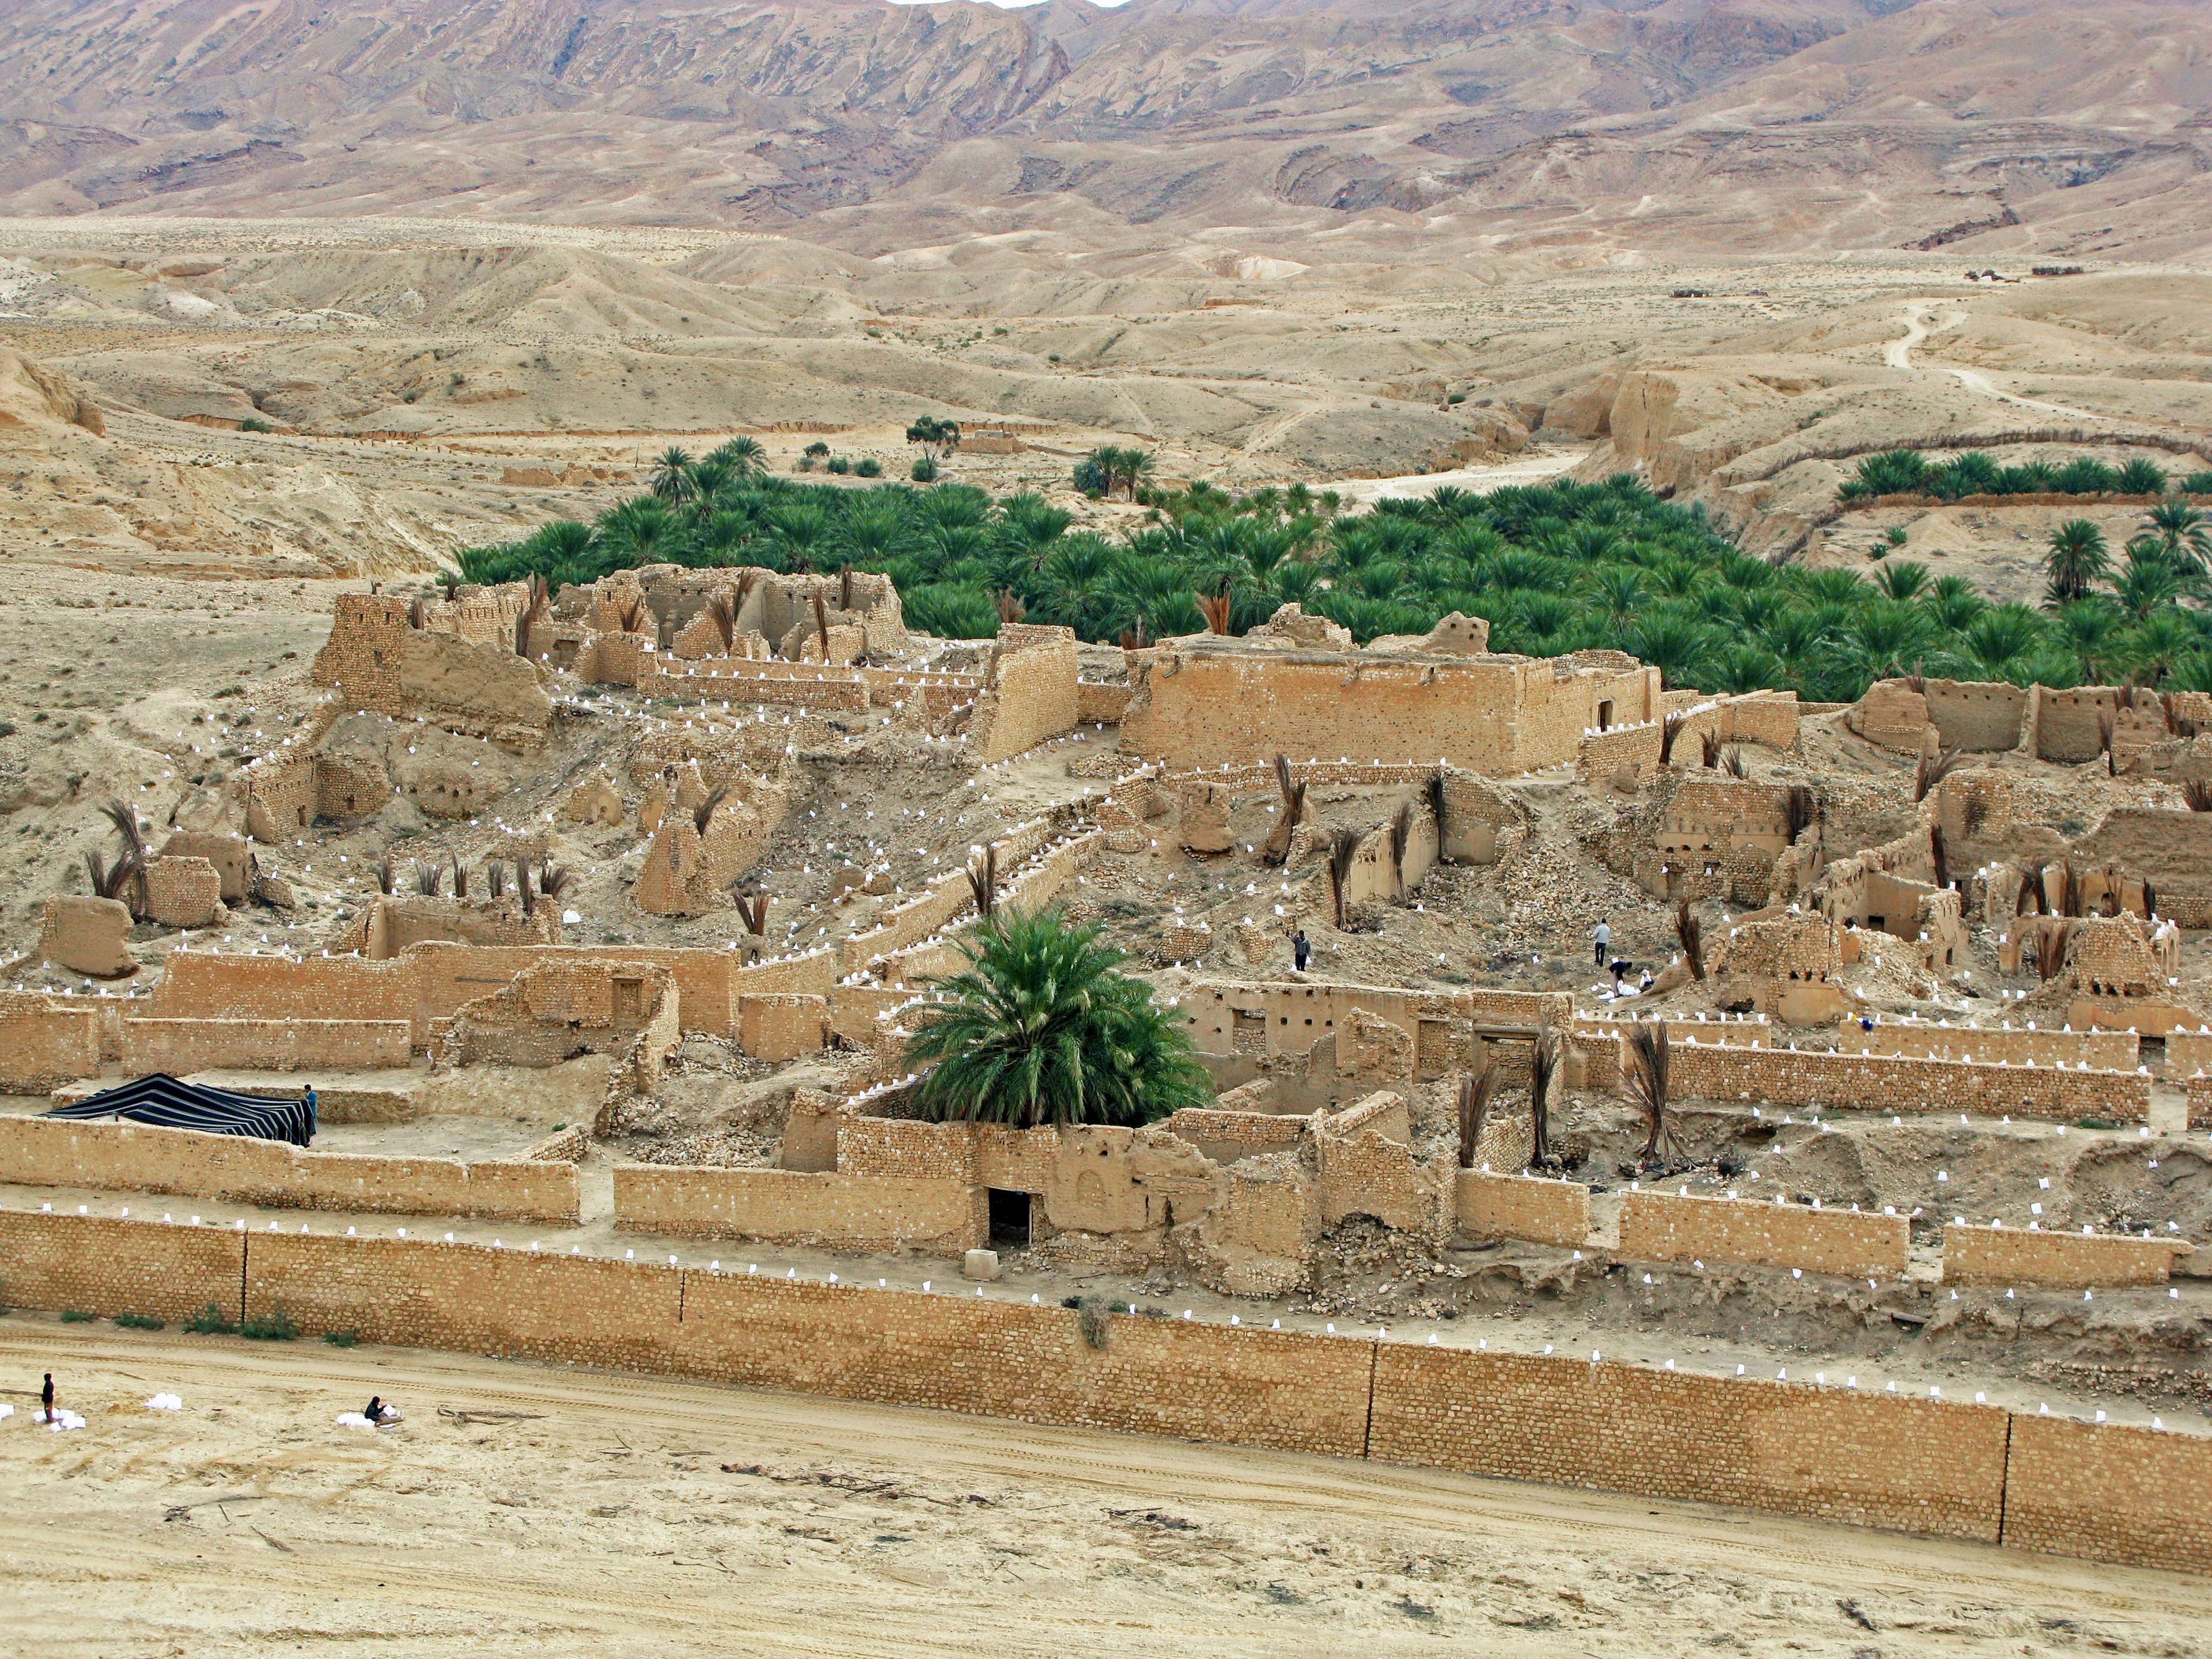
(1602, 942)
(47, 1399)
(309, 1099)
(1301, 952)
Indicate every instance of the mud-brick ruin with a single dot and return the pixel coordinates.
(611, 914)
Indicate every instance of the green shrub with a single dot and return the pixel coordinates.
(138, 1321)
(839, 465)
(2142, 477)
(1895, 535)
(345, 1339)
(868, 467)
(273, 1327)
(2197, 483)
(77, 1317)
(210, 1321)
(255, 424)
(924, 470)
(1091, 478)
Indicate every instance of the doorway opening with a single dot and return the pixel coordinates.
(1009, 1219)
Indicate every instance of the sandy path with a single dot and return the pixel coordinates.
(637, 1515)
(1475, 480)
(1898, 354)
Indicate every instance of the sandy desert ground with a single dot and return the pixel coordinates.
(579, 1512)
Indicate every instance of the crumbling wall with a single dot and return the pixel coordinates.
(557, 1010)
(1032, 697)
(1192, 704)
(87, 936)
(2171, 850)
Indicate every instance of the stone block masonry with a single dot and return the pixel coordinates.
(1523, 1207)
(2055, 1260)
(937, 1216)
(139, 1158)
(46, 1041)
(179, 1046)
(2197, 1091)
(1668, 1227)
(1877, 1082)
(2127, 1496)
(1867, 1460)
(2109, 1493)
(100, 1266)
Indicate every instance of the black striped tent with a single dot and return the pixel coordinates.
(162, 1101)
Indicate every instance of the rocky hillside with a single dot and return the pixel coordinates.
(1692, 123)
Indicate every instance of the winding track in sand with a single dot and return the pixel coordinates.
(1898, 354)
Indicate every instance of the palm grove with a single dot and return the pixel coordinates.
(1555, 567)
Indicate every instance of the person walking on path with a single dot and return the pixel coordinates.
(1602, 942)
(1301, 951)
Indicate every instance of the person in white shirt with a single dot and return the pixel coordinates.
(1603, 943)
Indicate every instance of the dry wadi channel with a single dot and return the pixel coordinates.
(582, 1511)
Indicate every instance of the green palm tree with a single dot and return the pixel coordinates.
(1678, 647)
(2182, 530)
(1953, 602)
(671, 477)
(2151, 649)
(1039, 1028)
(743, 456)
(2077, 559)
(2150, 581)
(1902, 580)
(2087, 630)
(2004, 632)
(1617, 591)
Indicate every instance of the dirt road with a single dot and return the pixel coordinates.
(583, 1512)
(1898, 354)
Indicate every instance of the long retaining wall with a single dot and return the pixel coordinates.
(2123, 1495)
(786, 1206)
(1671, 1227)
(2055, 1260)
(137, 1158)
(1704, 1071)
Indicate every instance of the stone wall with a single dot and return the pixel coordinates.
(139, 1158)
(1523, 1207)
(226, 986)
(2127, 1496)
(1032, 694)
(2055, 1260)
(1866, 1460)
(179, 1046)
(783, 1207)
(46, 1041)
(2106, 1493)
(827, 691)
(1705, 1071)
(1194, 703)
(1671, 1227)
(183, 892)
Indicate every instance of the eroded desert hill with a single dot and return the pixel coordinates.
(1705, 126)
